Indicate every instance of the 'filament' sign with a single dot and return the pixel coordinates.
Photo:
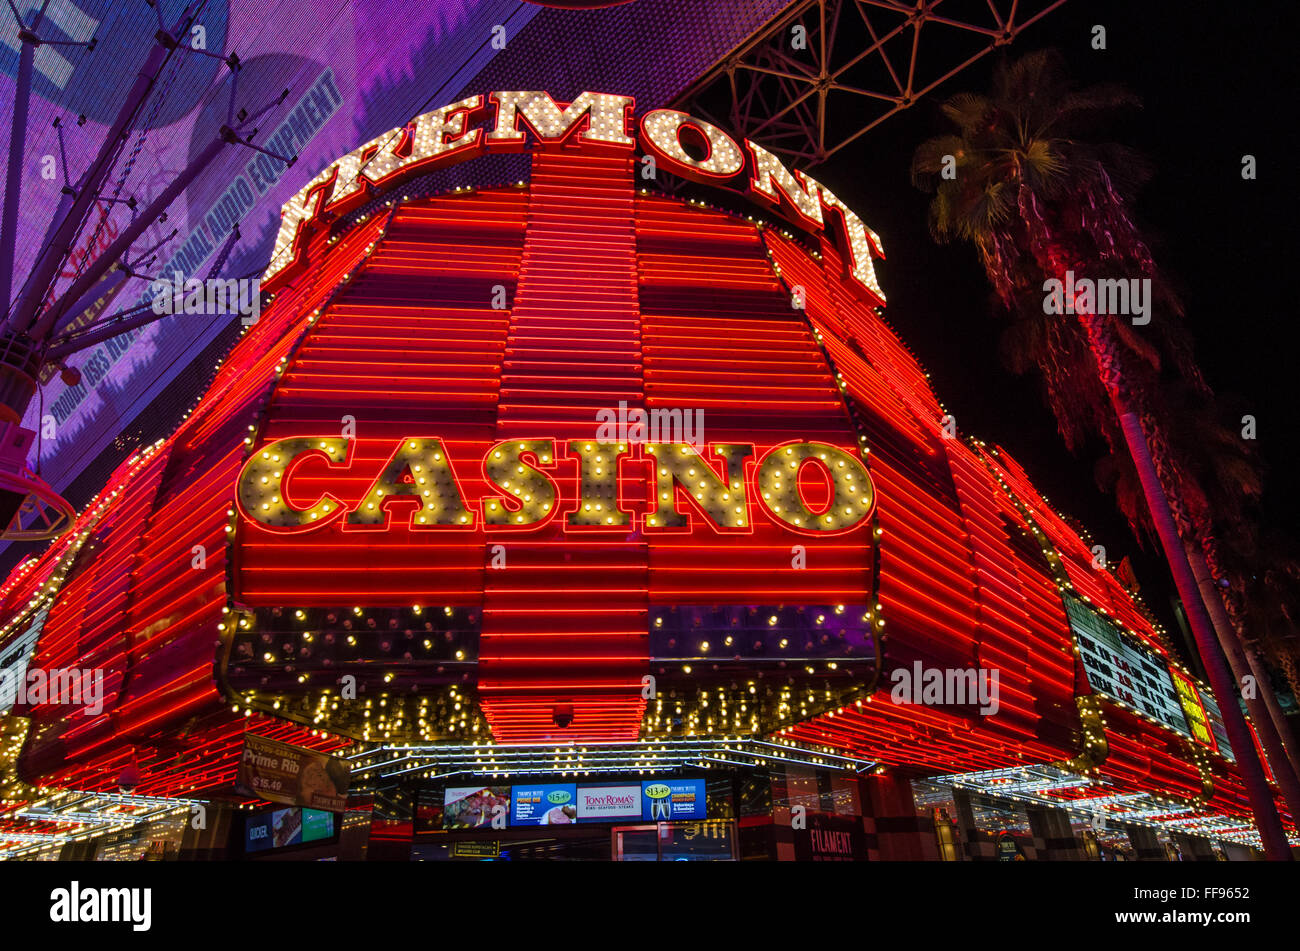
(285, 487)
(595, 121)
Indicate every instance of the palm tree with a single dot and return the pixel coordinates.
(1263, 582)
(1022, 180)
(1219, 480)
(1268, 606)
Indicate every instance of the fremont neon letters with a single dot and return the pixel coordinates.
(722, 486)
(597, 121)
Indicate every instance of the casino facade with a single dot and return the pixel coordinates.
(586, 498)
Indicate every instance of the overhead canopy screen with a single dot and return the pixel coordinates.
(349, 75)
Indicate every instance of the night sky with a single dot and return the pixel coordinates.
(1212, 85)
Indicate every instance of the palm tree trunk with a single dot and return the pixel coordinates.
(1260, 712)
(1259, 667)
(1272, 835)
(1255, 659)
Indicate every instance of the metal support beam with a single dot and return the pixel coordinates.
(796, 85)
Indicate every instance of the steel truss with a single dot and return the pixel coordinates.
(808, 93)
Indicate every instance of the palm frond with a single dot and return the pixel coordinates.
(967, 111)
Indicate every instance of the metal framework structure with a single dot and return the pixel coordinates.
(800, 80)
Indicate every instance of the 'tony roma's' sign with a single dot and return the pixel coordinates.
(289, 486)
(596, 121)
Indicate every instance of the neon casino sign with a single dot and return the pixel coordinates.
(418, 487)
(597, 121)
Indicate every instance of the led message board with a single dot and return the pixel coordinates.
(1123, 670)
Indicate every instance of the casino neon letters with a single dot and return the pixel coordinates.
(597, 121)
(810, 487)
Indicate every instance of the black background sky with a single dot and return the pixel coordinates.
(1217, 82)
